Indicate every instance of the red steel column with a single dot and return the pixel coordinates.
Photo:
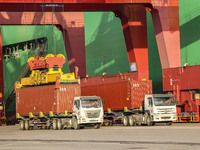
(166, 24)
(1, 70)
(135, 32)
(74, 38)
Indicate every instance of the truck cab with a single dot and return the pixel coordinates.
(87, 110)
(161, 108)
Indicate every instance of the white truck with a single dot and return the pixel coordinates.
(87, 110)
(158, 108)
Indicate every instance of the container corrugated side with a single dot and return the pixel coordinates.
(46, 98)
(138, 91)
(114, 94)
(65, 97)
(118, 95)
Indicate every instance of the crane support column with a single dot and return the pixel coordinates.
(135, 34)
(74, 38)
(166, 24)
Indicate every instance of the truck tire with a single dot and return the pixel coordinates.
(22, 125)
(106, 122)
(59, 124)
(54, 124)
(76, 126)
(27, 127)
(149, 122)
(132, 121)
(97, 126)
(111, 122)
(125, 121)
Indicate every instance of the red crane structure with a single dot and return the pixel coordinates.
(68, 17)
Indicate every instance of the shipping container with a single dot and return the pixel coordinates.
(46, 98)
(120, 94)
(130, 101)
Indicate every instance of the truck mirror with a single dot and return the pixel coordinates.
(103, 102)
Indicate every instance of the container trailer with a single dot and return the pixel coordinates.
(57, 106)
(49, 98)
(131, 101)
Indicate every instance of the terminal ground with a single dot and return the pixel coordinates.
(185, 136)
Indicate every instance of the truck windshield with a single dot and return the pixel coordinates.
(91, 103)
(164, 101)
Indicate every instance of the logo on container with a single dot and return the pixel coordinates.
(136, 85)
(63, 89)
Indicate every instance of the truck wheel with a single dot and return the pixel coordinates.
(126, 121)
(75, 123)
(97, 126)
(110, 122)
(132, 121)
(169, 123)
(55, 124)
(149, 122)
(27, 127)
(106, 122)
(22, 125)
(59, 124)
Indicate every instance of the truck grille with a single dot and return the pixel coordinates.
(92, 114)
(165, 117)
(165, 111)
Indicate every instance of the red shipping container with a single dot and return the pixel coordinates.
(46, 98)
(118, 95)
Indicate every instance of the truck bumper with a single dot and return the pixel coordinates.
(164, 118)
(90, 120)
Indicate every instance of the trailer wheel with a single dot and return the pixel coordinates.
(97, 126)
(22, 125)
(75, 123)
(27, 127)
(59, 124)
(126, 121)
(55, 127)
(132, 121)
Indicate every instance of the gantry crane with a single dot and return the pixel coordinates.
(47, 70)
